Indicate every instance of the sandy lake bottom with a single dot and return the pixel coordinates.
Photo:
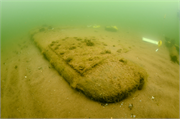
(32, 88)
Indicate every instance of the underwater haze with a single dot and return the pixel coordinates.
(152, 17)
(96, 62)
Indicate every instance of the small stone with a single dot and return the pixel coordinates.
(25, 76)
(106, 104)
(16, 67)
(39, 68)
(122, 103)
(134, 116)
(130, 106)
(152, 98)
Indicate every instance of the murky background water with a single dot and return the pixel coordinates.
(148, 17)
(31, 88)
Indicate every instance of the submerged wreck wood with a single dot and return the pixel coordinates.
(103, 77)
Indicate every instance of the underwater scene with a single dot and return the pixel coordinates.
(90, 58)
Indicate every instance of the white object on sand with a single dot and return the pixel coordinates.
(150, 41)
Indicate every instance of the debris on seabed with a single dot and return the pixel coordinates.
(25, 77)
(122, 103)
(152, 98)
(39, 68)
(133, 115)
(16, 67)
(130, 106)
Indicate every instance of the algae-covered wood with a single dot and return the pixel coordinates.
(88, 66)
